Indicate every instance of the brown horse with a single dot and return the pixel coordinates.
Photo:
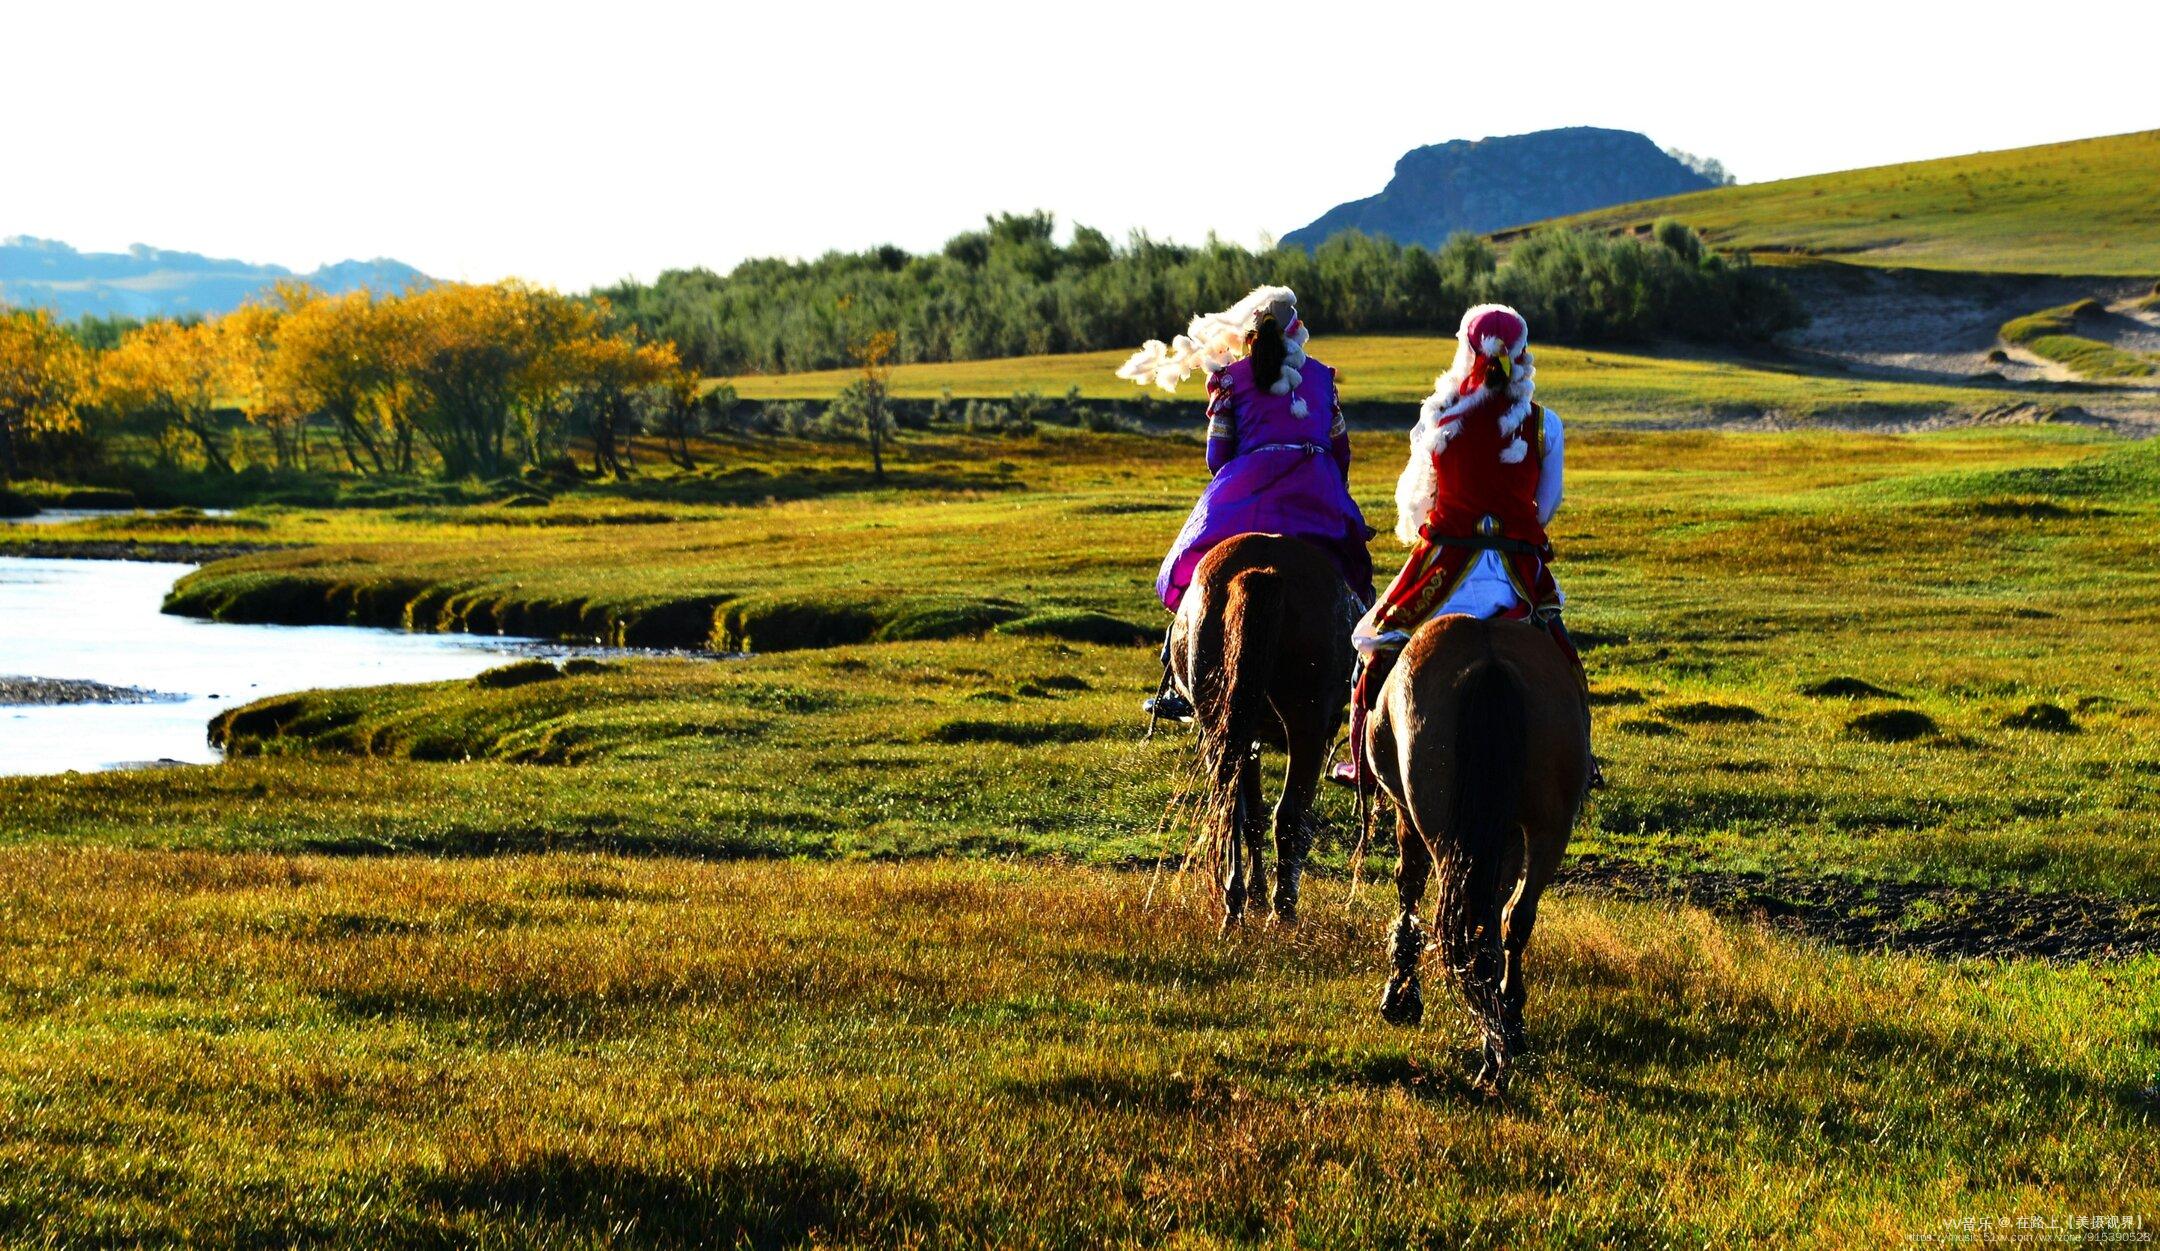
(1481, 737)
(1261, 646)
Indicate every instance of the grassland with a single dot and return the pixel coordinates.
(1589, 385)
(2086, 207)
(849, 941)
(2053, 333)
(934, 673)
(574, 1051)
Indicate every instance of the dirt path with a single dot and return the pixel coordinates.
(1931, 920)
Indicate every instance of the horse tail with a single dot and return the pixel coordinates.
(1491, 729)
(1237, 645)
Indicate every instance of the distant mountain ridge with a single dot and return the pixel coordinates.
(153, 282)
(1509, 180)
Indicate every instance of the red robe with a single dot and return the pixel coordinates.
(1479, 496)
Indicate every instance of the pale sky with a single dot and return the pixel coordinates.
(576, 144)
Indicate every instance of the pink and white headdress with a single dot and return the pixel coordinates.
(1215, 340)
(1492, 337)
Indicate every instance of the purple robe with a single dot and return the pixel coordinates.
(1280, 474)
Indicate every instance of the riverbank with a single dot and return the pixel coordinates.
(161, 551)
(22, 690)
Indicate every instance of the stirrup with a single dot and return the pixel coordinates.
(1344, 773)
(1168, 706)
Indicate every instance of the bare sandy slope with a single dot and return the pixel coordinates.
(1944, 327)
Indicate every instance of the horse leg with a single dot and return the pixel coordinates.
(1252, 829)
(1498, 967)
(1403, 1001)
(1293, 829)
(1236, 870)
(1542, 866)
(1514, 990)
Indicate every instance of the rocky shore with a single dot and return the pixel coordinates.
(26, 690)
(134, 549)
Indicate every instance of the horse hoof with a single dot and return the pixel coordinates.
(1286, 912)
(1493, 1070)
(1403, 1002)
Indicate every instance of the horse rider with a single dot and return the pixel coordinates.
(1277, 446)
(1482, 483)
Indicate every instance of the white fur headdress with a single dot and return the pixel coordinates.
(1215, 340)
(1491, 336)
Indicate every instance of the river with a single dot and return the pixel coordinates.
(99, 620)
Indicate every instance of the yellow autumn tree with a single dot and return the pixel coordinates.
(250, 336)
(176, 375)
(335, 361)
(481, 367)
(612, 387)
(44, 377)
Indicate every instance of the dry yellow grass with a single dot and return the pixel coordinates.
(263, 1050)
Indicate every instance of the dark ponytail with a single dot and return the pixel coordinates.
(1268, 352)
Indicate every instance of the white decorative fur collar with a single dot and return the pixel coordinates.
(1417, 490)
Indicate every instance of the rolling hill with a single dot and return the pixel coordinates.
(2090, 207)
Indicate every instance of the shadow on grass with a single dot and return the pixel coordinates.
(749, 484)
(784, 1201)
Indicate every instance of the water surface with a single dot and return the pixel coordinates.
(62, 516)
(99, 619)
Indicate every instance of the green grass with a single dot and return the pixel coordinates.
(1399, 370)
(1973, 573)
(848, 941)
(2085, 207)
(247, 1050)
(2052, 333)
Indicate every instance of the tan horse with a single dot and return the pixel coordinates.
(1261, 646)
(1481, 738)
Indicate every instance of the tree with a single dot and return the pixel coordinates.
(480, 368)
(262, 389)
(44, 375)
(334, 360)
(176, 375)
(864, 400)
(612, 383)
(681, 413)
